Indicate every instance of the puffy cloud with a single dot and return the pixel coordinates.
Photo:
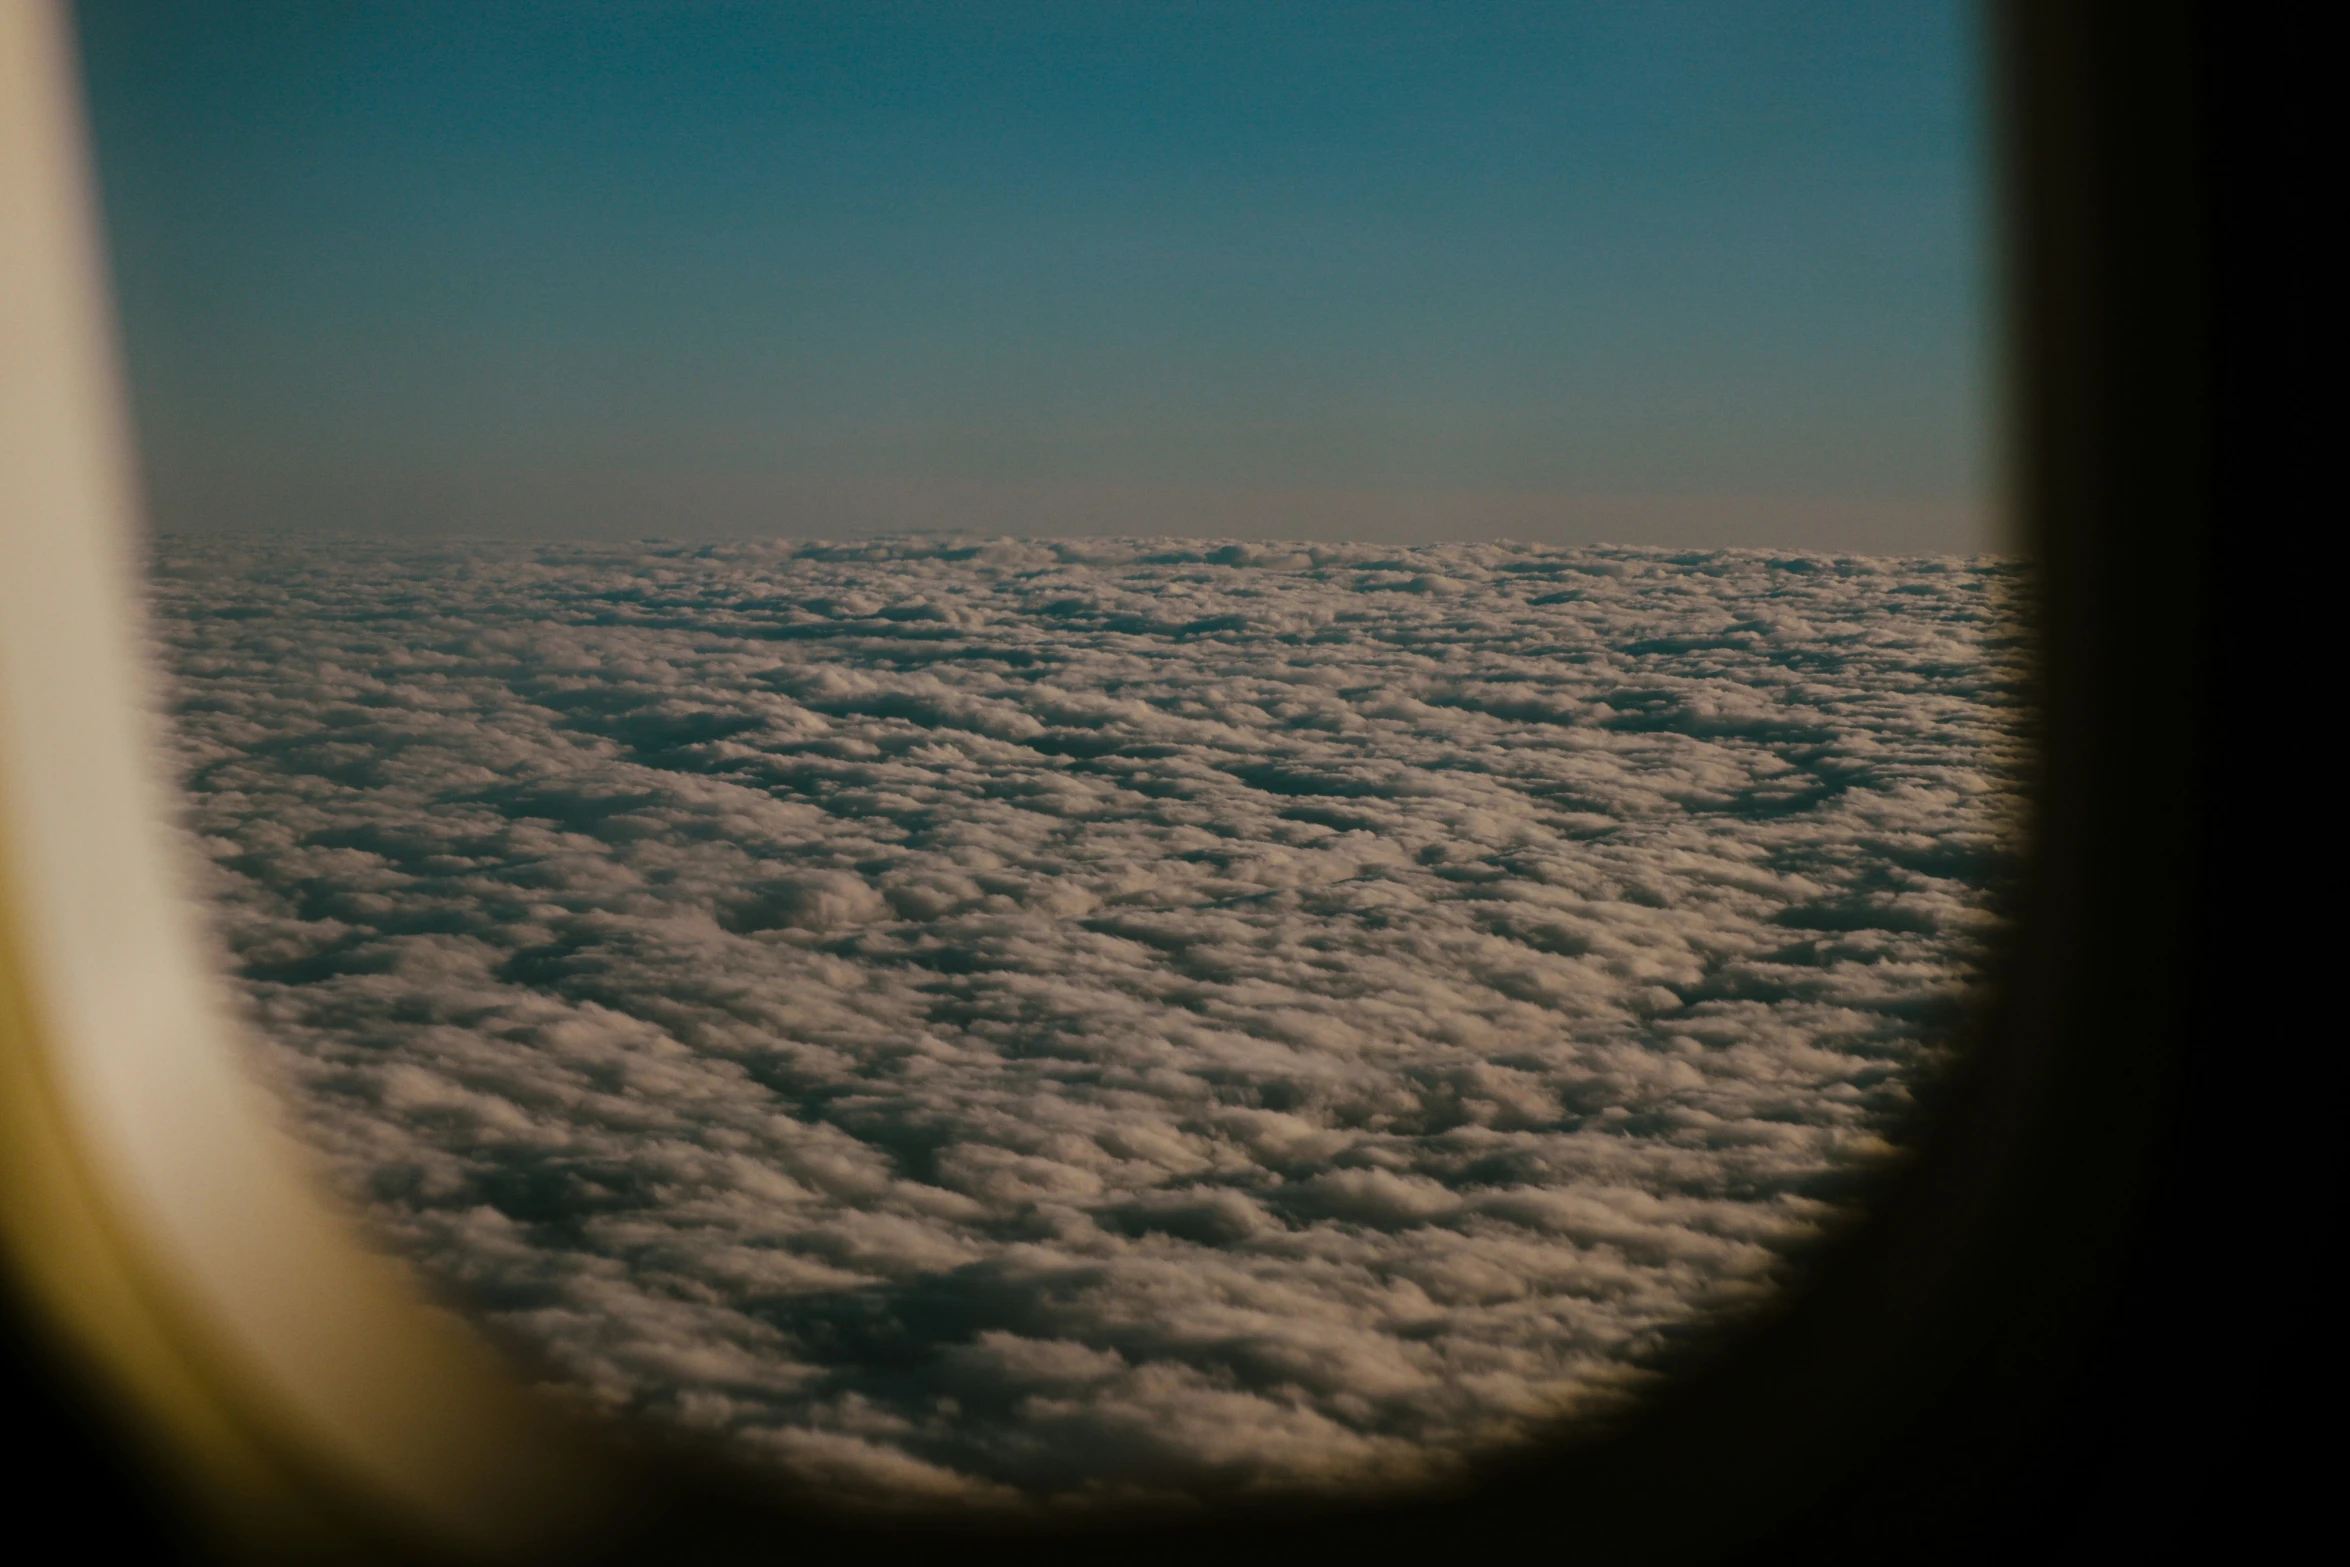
(1064, 1020)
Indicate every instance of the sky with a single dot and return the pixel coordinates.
(1687, 274)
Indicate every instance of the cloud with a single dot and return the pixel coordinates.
(1051, 1020)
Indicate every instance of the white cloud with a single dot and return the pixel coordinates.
(1058, 1019)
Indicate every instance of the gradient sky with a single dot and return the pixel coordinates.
(1677, 273)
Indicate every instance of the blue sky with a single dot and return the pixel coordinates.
(1689, 273)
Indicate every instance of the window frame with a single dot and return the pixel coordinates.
(1960, 1369)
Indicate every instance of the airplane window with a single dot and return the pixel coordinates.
(1058, 755)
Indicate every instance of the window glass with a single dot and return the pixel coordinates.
(1055, 753)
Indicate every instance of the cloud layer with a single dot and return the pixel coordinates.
(1048, 1020)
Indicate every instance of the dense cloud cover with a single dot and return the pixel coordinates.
(1044, 1020)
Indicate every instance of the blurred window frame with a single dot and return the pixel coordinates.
(1965, 1371)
